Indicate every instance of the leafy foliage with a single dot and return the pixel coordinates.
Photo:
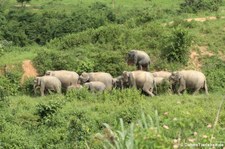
(177, 49)
(194, 6)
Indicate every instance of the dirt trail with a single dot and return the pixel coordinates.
(29, 70)
(203, 19)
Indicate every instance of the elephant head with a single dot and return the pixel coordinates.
(48, 73)
(37, 83)
(128, 79)
(131, 57)
(84, 77)
(118, 82)
(176, 78)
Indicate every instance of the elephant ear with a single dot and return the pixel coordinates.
(48, 73)
(38, 80)
(131, 79)
(84, 77)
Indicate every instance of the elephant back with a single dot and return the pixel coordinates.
(103, 77)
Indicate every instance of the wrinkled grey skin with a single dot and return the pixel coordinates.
(74, 87)
(163, 74)
(47, 83)
(95, 86)
(103, 77)
(67, 78)
(141, 80)
(139, 58)
(118, 83)
(189, 79)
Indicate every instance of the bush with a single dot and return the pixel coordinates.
(177, 48)
(59, 60)
(10, 84)
(215, 79)
(194, 6)
(27, 87)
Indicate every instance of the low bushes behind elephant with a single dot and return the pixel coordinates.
(103, 77)
(67, 78)
(189, 79)
(163, 85)
(141, 80)
(139, 58)
(46, 83)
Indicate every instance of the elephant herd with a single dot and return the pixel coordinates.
(140, 79)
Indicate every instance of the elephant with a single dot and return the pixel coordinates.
(67, 78)
(47, 83)
(141, 80)
(139, 58)
(74, 87)
(95, 86)
(163, 74)
(189, 79)
(103, 77)
(118, 83)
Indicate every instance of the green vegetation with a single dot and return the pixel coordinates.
(88, 35)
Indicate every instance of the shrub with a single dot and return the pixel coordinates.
(59, 60)
(194, 6)
(215, 79)
(177, 48)
(27, 87)
(10, 83)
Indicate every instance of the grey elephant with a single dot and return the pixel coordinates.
(103, 77)
(46, 83)
(163, 74)
(119, 83)
(74, 87)
(141, 80)
(189, 79)
(139, 58)
(67, 78)
(95, 86)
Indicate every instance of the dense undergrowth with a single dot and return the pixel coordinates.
(96, 37)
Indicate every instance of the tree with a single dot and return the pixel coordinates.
(23, 2)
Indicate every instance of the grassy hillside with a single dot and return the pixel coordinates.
(89, 35)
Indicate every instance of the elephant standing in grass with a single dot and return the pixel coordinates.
(47, 83)
(189, 79)
(139, 58)
(95, 86)
(141, 80)
(67, 78)
(103, 77)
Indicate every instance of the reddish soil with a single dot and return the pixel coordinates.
(29, 70)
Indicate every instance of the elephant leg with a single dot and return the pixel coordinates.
(196, 91)
(42, 90)
(180, 90)
(148, 90)
(206, 89)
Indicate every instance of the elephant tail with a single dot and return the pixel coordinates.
(206, 88)
(154, 82)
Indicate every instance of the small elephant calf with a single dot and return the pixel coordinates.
(95, 86)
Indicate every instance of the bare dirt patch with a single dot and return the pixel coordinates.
(29, 70)
(194, 61)
(201, 19)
